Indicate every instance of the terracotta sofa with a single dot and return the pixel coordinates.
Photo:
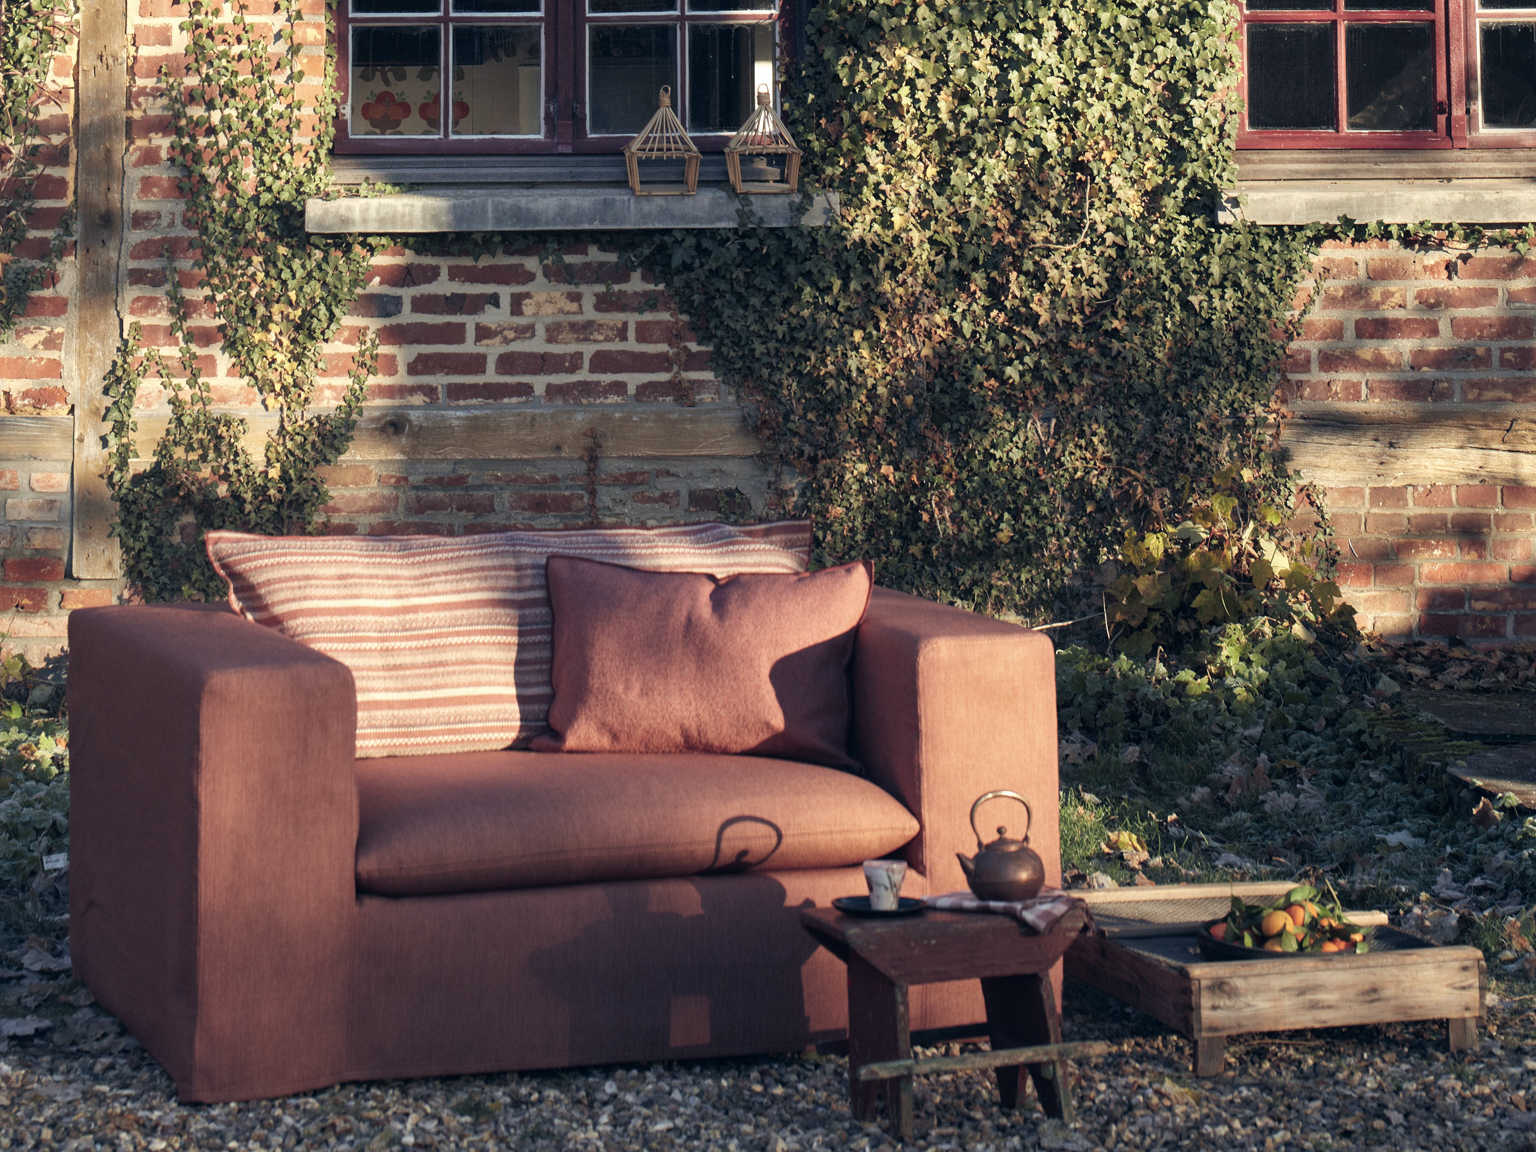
(220, 826)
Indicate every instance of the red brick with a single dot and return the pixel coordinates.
(1423, 522)
(1360, 298)
(1522, 574)
(587, 272)
(512, 273)
(160, 188)
(27, 599)
(72, 598)
(153, 36)
(1406, 268)
(143, 222)
(418, 503)
(1515, 497)
(1436, 624)
(546, 503)
(521, 478)
(158, 248)
(1297, 361)
(1433, 495)
(1386, 524)
(664, 499)
(650, 391)
(1455, 297)
(649, 300)
(1389, 498)
(1482, 627)
(1520, 297)
(34, 568)
(421, 332)
(452, 480)
(1353, 575)
(1493, 327)
(1425, 549)
(1480, 522)
(1394, 576)
(1477, 495)
(446, 364)
(1514, 390)
(1412, 391)
(1442, 599)
(1507, 599)
(1523, 357)
(46, 306)
(625, 479)
(504, 332)
(489, 390)
(404, 275)
(1525, 625)
(1337, 267)
(544, 303)
(376, 305)
(1440, 359)
(663, 332)
(30, 368)
(454, 303)
(1463, 573)
(410, 528)
(1475, 549)
(361, 503)
(1396, 328)
(37, 338)
(605, 360)
(1330, 389)
(48, 187)
(347, 475)
(585, 331)
(1499, 268)
(1515, 548)
(1347, 523)
(585, 391)
(538, 363)
(1353, 497)
(1368, 548)
(1359, 359)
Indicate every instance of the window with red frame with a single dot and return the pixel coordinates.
(510, 76)
(1388, 73)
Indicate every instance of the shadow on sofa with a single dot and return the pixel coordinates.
(267, 914)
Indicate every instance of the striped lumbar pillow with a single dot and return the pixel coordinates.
(448, 639)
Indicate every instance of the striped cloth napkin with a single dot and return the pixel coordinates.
(1041, 914)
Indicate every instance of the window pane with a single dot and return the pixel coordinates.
(620, 7)
(743, 5)
(1289, 5)
(1508, 71)
(1389, 71)
(1389, 5)
(394, 74)
(626, 66)
(395, 7)
(498, 86)
(495, 7)
(726, 63)
(1291, 76)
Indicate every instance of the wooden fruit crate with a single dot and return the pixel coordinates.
(1144, 954)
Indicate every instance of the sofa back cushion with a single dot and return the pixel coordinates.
(495, 820)
(657, 662)
(448, 639)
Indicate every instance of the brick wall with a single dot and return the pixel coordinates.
(1429, 332)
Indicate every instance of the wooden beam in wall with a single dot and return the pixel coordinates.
(530, 434)
(1340, 445)
(102, 131)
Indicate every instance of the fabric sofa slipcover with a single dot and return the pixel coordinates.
(220, 902)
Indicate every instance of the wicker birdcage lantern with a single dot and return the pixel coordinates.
(663, 138)
(762, 136)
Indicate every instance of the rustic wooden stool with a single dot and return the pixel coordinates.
(886, 956)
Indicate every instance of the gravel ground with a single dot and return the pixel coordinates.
(84, 1085)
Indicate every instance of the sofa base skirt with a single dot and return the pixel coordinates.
(612, 973)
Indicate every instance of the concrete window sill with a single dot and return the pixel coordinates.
(554, 208)
(1443, 201)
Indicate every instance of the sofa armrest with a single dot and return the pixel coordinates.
(947, 705)
(213, 833)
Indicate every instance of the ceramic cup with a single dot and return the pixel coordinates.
(885, 878)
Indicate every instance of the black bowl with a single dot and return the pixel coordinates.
(1214, 949)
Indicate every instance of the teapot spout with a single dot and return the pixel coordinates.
(967, 865)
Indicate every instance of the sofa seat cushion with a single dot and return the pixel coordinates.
(476, 821)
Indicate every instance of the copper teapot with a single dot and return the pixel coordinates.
(1005, 869)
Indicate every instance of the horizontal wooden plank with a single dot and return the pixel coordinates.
(1268, 995)
(37, 438)
(1132, 978)
(972, 1061)
(1385, 164)
(514, 171)
(524, 434)
(1093, 897)
(1351, 445)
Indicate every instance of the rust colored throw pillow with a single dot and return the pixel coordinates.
(684, 662)
(448, 639)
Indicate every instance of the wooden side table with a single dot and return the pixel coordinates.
(886, 956)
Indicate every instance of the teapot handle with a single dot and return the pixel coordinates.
(980, 800)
